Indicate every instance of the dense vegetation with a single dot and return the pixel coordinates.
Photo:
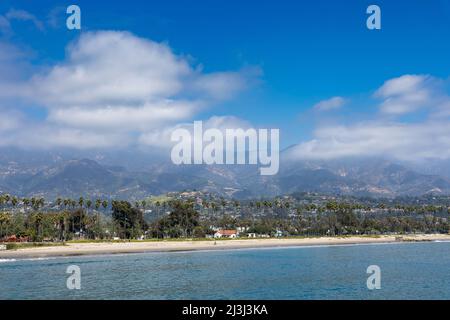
(177, 217)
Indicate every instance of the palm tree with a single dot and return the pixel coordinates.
(81, 202)
(105, 204)
(62, 217)
(5, 218)
(41, 203)
(66, 202)
(38, 224)
(33, 203)
(98, 203)
(59, 202)
(26, 203)
(88, 204)
(37, 203)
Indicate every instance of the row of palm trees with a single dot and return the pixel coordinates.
(35, 203)
(67, 203)
(82, 203)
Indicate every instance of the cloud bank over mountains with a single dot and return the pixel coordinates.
(412, 123)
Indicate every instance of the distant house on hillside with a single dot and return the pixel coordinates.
(225, 234)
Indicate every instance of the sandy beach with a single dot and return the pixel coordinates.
(73, 249)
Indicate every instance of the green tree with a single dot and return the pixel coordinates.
(5, 219)
(181, 221)
(129, 220)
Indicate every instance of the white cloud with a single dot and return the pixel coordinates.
(330, 104)
(22, 15)
(407, 94)
(402, 85)
(161, 138)
(32, 136)
(9, 120)
(115, 88)
(6, 29)
(13, 67)
(396, 138)
(122, 118)
(221, 84)
(109, 68)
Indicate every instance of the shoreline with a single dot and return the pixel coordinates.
(104, 248)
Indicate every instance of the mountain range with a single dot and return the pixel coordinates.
(53, 175)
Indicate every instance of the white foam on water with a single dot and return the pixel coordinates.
(37, 259)
(7, 260)
(26, 259)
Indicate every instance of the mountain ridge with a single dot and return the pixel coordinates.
(75, 177)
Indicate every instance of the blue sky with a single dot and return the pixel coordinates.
(298, 53)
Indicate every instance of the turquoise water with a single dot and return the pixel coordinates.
(408, 271)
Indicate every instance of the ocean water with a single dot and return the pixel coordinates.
(408, 271)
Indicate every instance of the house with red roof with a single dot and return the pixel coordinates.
(222, 233)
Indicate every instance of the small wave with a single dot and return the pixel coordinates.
(25, 259)
(38, 259)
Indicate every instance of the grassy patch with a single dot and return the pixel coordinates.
(161, 199)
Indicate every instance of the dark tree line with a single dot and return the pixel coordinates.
(188, 218)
